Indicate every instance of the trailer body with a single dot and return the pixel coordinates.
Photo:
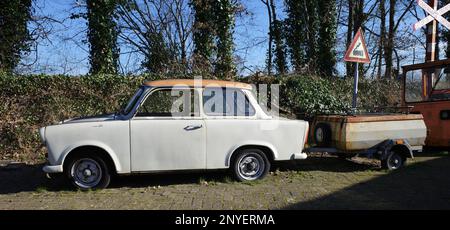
(361, 132)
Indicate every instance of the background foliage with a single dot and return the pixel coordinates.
(30, 102)
(14, 34)
(102, 36)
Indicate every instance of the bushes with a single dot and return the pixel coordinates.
(30, 102)
(311, 95)
(307, 96)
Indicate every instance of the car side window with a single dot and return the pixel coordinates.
(226, 102)
(170, 103)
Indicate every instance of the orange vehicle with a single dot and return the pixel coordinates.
(426, 91)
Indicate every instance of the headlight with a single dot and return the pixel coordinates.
(42, 135)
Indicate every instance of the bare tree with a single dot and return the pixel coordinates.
(269, 49)
(160, 30)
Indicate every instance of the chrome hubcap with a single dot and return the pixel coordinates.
(86, 173)
(251, 166)
(395, 161)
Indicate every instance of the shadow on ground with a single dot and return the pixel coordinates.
(424, 185)
(24, 178)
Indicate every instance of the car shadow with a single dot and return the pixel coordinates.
(423, 185)
(15, 178)
(18, 178)
(328, 163)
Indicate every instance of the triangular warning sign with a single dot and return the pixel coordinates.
(357, 52)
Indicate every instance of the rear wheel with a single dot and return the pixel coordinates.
(88, 172)
(250, 164)
(393, 161)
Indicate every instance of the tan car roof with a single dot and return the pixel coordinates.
(197, 83)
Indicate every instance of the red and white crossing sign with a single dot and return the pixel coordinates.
(357, 52)
(434, 14)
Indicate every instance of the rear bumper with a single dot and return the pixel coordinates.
(53, 168)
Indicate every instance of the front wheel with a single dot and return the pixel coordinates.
(393, 161)
(88, 172)
(250, 165)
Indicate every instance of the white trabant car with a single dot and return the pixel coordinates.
(171, 125)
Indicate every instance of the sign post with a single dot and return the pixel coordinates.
(355, 87)
(357, 52)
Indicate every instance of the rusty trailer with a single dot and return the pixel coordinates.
(390, 138)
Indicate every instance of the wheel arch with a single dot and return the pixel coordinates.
(105, 153)
(403, 150)
(268, 150)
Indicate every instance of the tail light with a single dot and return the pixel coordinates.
(306, 134)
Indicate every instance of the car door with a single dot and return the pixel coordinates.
(230, 119)
(167, 132)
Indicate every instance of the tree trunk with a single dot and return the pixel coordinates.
(327, 38)
(389, 48)
(280, 52)
(349, 65)
(382, 36)
(269, 49)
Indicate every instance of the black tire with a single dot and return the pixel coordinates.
(96, 172)
(322, 135)
(393, 161)
(250, 165)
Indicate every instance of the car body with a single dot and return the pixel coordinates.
(171, 125)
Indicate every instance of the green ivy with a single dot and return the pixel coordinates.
(213, 36)
(102, 36)
(14, 35)
(327, 38)
(224, 12)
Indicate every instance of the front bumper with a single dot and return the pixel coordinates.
(53, 168)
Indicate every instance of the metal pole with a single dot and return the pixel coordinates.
(355, 88)
(431, 55)
(431, 36)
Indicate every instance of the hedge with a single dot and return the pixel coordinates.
(33, 101)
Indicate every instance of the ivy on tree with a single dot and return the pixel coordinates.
(311, 36)
(203, 33)
(14, 35)
(327, 38)
(102, 36)
(224, 10)
(213, 36)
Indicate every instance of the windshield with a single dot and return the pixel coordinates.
(132, 102)
(437, 90)
(413, 86)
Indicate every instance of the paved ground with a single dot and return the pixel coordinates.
(321, 182)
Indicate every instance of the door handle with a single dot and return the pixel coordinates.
(192, 127)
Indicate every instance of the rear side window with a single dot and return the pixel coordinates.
(226, 102)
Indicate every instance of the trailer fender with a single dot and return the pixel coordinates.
(387, 146)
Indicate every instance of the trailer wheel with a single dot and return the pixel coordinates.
(322, 135)
(393, 161)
